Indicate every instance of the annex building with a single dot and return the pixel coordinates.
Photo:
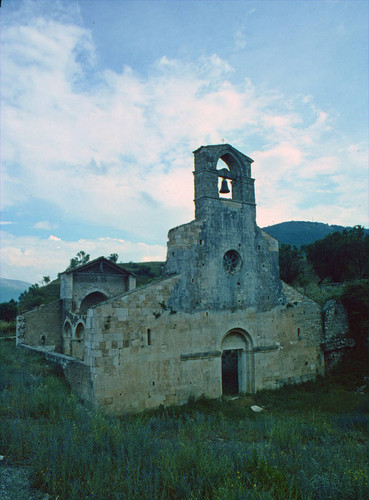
(218, 321)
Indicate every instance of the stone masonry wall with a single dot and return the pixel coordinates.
(84, 284)
(335, 332)
(196, 251)
(41, 326)
(142, 353)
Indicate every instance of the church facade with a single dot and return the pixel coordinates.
(218, 321)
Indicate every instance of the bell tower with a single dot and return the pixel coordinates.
(224, 260)
(238, 173)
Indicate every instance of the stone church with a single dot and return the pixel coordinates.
(218, 321)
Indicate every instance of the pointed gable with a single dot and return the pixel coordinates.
(101, 265)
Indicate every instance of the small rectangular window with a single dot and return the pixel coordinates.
(148, 336)
(299, 333)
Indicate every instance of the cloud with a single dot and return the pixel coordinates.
(44, 224)
(114, 148)
(329, 188)
(93, 149)
(34, 257)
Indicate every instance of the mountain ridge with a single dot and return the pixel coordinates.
(11, 289)
(300, 233)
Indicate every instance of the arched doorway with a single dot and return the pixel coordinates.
(90, 300)
(237, 363)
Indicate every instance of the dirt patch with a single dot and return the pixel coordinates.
(15, 484)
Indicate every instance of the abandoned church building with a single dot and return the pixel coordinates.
(218, 321)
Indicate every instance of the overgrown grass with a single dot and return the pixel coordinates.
(321, 294)
(308, 443)
(7, 328)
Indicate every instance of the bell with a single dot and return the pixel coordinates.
(224, 187)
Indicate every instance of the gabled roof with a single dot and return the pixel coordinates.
(104, 263)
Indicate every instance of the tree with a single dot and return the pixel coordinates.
(291, 263)
(113, 257)
(355, 299)
(33, 297)
(341, 256)
(8, 310)
(80, 259)
(46, 280)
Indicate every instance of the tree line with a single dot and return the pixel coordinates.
(339, 257)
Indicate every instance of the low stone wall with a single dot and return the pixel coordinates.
(77, 374)
(41, 326)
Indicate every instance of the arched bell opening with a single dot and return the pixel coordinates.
(224, 184)
(90, 300)
(218, 169)
(238, 371)
(228, 171)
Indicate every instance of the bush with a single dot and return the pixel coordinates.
(8, 311)
(7, 329)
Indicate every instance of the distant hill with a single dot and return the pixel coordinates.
(11, 289)
(144, 271)
(301, 233)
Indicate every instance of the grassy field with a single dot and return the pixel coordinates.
(309, 442)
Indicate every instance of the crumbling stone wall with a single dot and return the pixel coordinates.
(335, 339)
(41, 326)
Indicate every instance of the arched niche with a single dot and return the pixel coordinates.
(79, 332)
(67, 337)
(67, 329)
(78, 346)
(92, 299)
(238, 369)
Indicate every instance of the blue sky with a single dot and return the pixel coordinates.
(103, 103)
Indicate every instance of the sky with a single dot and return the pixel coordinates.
(103, 103)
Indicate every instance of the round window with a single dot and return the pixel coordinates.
(232, 261)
